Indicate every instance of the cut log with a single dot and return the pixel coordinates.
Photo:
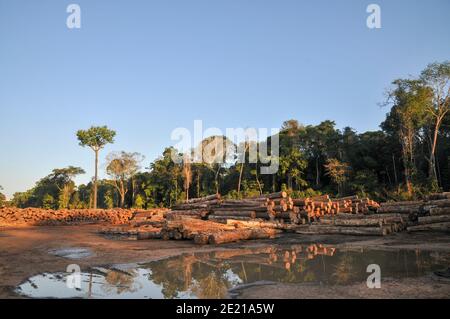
(201, 239)
(436, 196)
(440, 211)
(257, 224)
(360, 231)
(149, 234)
(189, 206)
(241, 234)
(445, 227)
(223, 219)
(203, 199)
(399, 209)
(273, 195)
(353, 222)
(239, 213)
(440, 202)
(434, 219)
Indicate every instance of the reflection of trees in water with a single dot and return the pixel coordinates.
(344, 270)
(190, 273)
(120, 282)
(210, 275)
(213, 286)
(205, 274)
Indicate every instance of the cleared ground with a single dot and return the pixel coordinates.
(24, 252)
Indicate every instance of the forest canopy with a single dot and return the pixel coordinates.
(407, 158)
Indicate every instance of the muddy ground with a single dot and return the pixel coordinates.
(25, 252)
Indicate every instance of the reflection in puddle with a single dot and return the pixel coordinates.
(72, 253)
(212, 274)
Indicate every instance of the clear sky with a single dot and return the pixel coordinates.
(146, 67)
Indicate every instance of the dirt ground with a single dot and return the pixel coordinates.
(24, 252)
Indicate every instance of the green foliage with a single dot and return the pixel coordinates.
(48, 202)
(96, 137)
(391, 163)
(2, 198)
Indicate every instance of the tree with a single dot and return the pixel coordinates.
(407, 116)
(245, 148)
(62, 177)
(2, 197)
(217, 151)
(437, 77)
(338, 171)
(96, 138)
(122, 167)
(187, 173)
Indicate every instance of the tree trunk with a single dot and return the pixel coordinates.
(317, 171)
(395, 169)
(432, 167)
(216, 179)
(257, 180)
(95, 179)
(240, 178)
(198, 184)
(122, 194)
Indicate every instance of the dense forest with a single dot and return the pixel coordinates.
(407, 158)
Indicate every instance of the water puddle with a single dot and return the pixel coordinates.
(72, 253)
(212, 274)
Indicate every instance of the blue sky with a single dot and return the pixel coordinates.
(147, 67)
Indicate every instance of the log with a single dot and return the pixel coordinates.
(440, 211)
(203, 199)
(301, 202)
(445, 227)
(201, 239)
(360, 231)
(349, 198)
(241, 234)
(445, 195)
(243, 202)
(149, 234)
(434, 219)
(187, 212)
(353, 216)
(235, 208)
(239, 213)
(439, 203)
(321, 198)
(273, 195)
(229, 236)
(403, 203)
(189, 206)
(256, 224)
(353, 222)
(223, 219)
(281, 201)
(399, 209)
(280, 208)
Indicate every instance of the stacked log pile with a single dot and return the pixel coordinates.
(143, 225)
(154, 217)
(267, 207)
(360, 225)
(195, 208)
(311, 209)
(41, 217)
(210, 232)
(433, 214)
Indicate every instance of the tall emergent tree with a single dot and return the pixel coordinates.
(96, 138)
